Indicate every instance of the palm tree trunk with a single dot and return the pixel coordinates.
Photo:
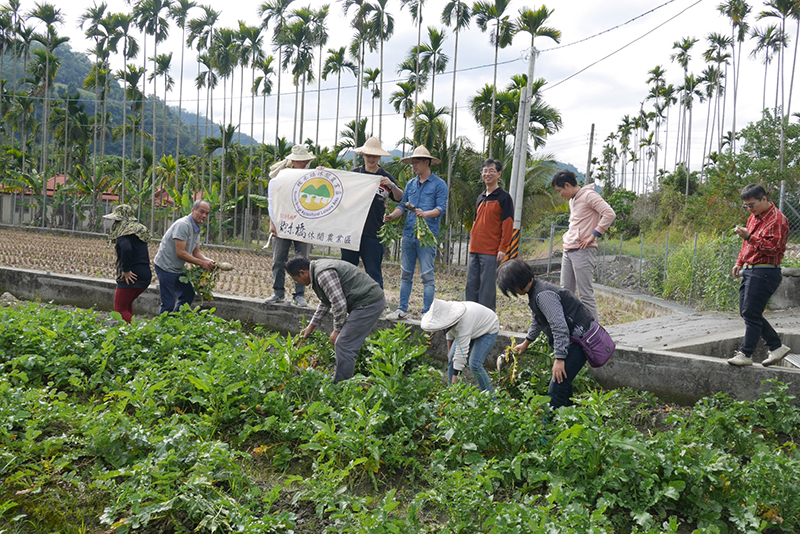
(453, 95)
(153, 164)
(338, 98)
(222, 159)
(180, 108)
(246, 228)
(241, 101)
(494, 89)
(303, 107)
(380, 104)
(141, 126)
(791, 78)
(319, 87)
(278, 104)
(294, 122)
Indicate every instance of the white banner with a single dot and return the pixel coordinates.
(326, 207)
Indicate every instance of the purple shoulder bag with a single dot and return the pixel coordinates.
(597, 345)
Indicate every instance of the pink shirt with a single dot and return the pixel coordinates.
(588, 212)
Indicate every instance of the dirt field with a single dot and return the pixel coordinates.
(252, 274)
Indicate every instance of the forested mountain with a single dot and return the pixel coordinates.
(75, 69)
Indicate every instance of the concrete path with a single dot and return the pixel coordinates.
(679, 330)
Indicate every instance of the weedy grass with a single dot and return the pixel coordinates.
(187, 423)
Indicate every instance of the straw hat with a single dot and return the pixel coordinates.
(421, 152)
(121, 213)
(300, 153)
(372, 148)
(443, 314)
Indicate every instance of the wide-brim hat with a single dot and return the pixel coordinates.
(443, 314)
(121, 213)
(421, 152)
(300, 153)
(372, 148)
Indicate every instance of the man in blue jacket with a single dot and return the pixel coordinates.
(428, 194)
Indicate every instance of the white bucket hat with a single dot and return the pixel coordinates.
(300, 153)
(443, 314)
(372, 148)
(421, 152)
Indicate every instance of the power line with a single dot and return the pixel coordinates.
(622, 47)
(608, 30)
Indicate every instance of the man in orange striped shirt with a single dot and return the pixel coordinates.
(490, 236)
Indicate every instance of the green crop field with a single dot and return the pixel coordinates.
(186, 423)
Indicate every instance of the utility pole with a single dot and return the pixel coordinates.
(589, 178)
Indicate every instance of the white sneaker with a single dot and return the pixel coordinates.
(273, 299)
(776, 355)
(299, 300)
(397, 315)
(740, 359)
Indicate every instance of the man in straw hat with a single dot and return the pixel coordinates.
(428, 194)
(181, 244)
(467, 325)
(371, 249)
(356, 300)
(299, 158)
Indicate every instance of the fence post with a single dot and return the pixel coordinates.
(691, 277)
(641, 260)
(619, 263)
(550, 253)
(783, 195)
(603, 264)
(666, 259)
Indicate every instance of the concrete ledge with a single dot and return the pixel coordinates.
(674, 376)
(686, 378)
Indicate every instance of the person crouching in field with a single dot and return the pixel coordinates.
(467, 325)
(133, 273)
(356, 299)
(559, 314)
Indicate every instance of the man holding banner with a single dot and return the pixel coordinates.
(298, 159)
(371, 249)
(323, 207)
(427, 193)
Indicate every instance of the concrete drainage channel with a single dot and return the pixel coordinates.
(680, 356)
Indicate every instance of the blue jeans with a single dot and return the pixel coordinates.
(561, 394)
(410, 252)
(479, 349)
(371, 253)
(280, 253)
(174, 293)
(756, 288)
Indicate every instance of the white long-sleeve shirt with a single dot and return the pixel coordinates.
(476, 322)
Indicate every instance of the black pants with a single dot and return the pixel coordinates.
(757, 287)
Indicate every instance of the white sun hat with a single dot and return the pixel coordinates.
(372, 147)
(443, 314)
(300, 153)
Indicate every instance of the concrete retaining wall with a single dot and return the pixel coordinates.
(686, 378)
(674, 376)
(788, 293)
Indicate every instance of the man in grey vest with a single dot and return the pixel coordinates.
(181, 244)
(356, 299)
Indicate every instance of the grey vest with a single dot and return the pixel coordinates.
(575, 312)
(359, 289)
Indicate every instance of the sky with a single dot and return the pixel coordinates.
(595, 76)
